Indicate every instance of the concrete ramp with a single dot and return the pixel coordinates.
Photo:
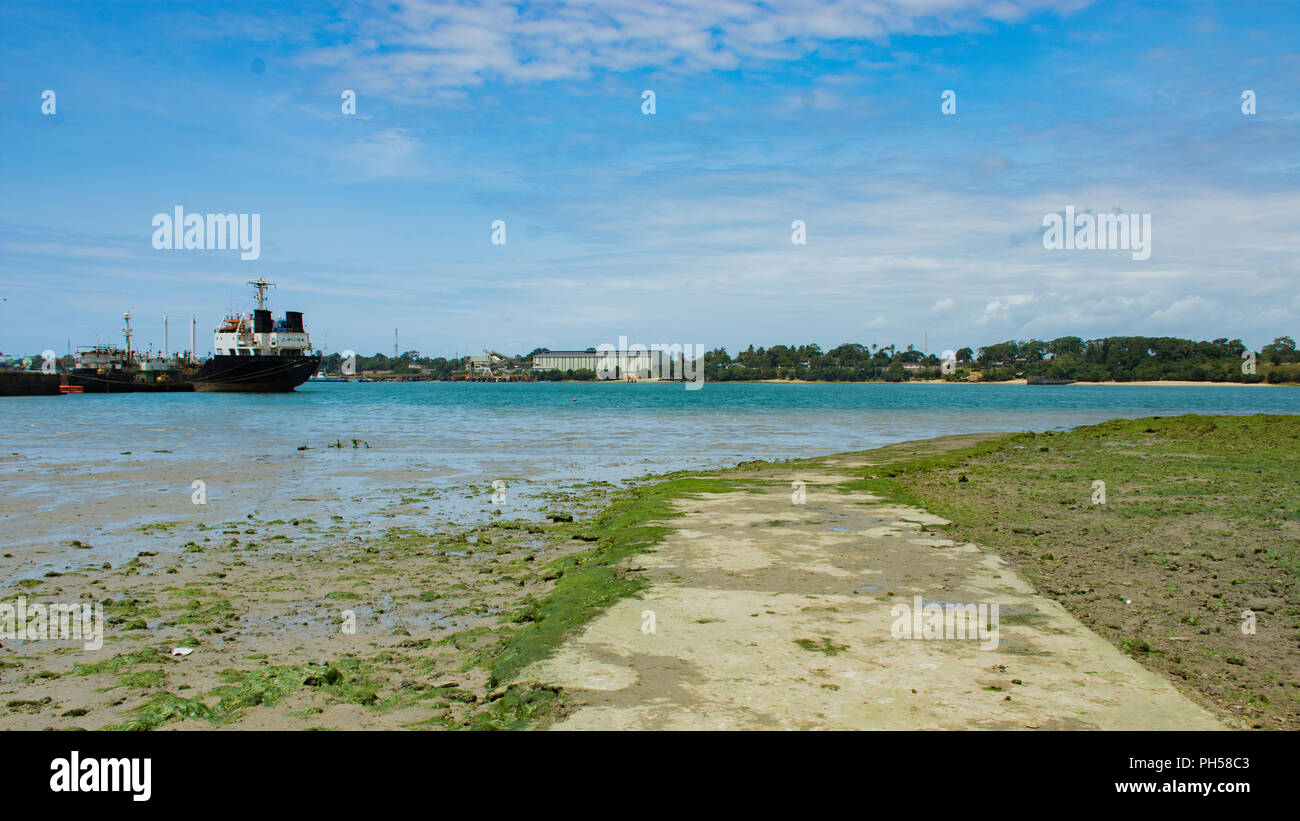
(766, 614)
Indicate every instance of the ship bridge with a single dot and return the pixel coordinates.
(259, 334)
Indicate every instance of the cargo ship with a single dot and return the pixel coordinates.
(106, 369)
(256, 353)
(98, 369)
(110, 369)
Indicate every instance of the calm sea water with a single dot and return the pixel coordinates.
(96, 468)
(611, 431)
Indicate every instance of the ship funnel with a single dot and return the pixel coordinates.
(262, 323)
(293, 321)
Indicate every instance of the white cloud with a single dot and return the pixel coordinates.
(431, 44)
(1186, 310)
(943, 306)
(1000, 309)
(386, 153)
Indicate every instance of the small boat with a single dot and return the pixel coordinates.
(1047, 380)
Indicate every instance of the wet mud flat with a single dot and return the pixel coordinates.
(372, 621)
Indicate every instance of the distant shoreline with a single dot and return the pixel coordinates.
(1136, 383)
(1142, 383)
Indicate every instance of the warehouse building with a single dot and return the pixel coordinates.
(626, 364)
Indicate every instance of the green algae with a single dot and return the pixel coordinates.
(587, 584)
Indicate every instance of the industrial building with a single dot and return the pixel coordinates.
(625, 364)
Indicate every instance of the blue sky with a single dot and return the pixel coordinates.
(666, 228)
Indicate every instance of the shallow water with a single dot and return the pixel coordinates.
(473, 431)
(64, 473)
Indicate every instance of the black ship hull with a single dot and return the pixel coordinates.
(255, 374)
(28, 383)
(118, 381)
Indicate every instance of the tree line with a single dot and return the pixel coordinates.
(1112, 358)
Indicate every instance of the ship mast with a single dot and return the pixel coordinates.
(261, 285)
(126, 317)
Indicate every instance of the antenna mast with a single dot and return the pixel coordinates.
(261, 285)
